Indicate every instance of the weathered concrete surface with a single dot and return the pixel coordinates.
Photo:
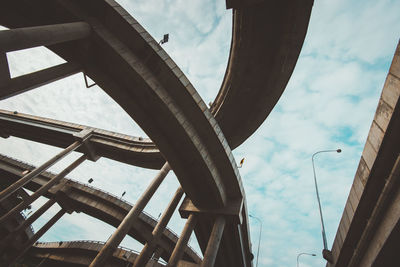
(266, 41)
(136, 151)
(126, 62)
(78, 197)
(369, 225)
(78, 253)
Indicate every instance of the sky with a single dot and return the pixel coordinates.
(329, 103)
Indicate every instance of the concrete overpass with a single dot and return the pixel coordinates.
(107, 44)
(369, 231)
(77, 197)
(80, 253)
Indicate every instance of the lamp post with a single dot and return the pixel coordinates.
(309, 254)
(259, 236)
(325, 252)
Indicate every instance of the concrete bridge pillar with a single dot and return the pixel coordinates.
(213, 242)
(17, 231)
(21, 38)
(151, 245)
(119, 234)
(25, 247)
(182, 241)
(31, 175)
(43, 189)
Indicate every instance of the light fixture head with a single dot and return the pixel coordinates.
(165, 39)
(338, 150)
(313, 255)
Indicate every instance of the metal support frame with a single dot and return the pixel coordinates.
(119, 234)
(182, 241)
(151, 245)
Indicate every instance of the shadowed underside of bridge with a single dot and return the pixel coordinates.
(101, 39)
(78, 253)
(369, 231)
(77, 197)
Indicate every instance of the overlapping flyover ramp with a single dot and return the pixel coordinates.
(101, 39)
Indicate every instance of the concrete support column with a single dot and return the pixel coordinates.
(22, 38)
(31, 175)
(43, 189)
(119, 234)
(38, 235)
(213, 242)
(23, 83)
(150, 245)
(182, 241)
(26, 223)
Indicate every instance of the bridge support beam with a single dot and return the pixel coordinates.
(17, 231)
(151, 245)
(182, 241)
(22, 38)
(31, 175)
(23, 83)
(37, 235)
(213, 242)
(24, 204)
(119, 234)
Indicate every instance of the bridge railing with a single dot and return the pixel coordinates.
(48, 173)
(37, 244)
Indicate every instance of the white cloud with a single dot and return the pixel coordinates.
(329, 103)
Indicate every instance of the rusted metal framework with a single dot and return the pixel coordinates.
(100, 39)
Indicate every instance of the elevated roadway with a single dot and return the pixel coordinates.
(79, 253)
(129, 65)
(369, 230)
(78, 197)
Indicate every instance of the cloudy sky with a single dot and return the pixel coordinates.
(329, 103)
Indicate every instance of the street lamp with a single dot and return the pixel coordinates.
(326, 253)
(259, 236)
(309, 254)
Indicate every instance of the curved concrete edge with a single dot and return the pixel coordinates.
(99, 204)
(132, 150)
(225, 106)
(267, 38)
(79, 253)
(380, 153)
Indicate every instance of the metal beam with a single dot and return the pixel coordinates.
(22, 38)
(30, 81)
